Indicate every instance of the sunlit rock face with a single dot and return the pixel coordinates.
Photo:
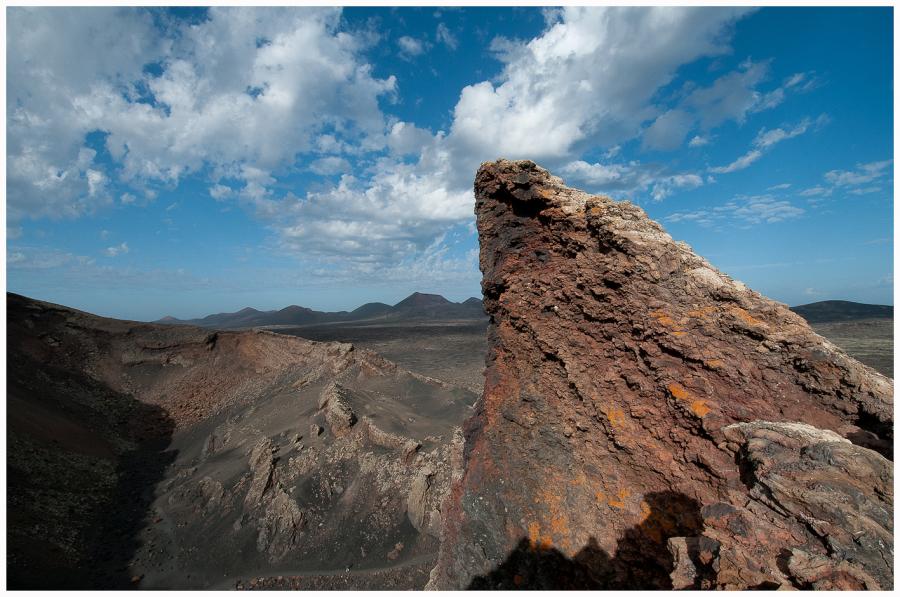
(648, 422)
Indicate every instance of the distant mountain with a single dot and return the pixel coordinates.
(418, 305)
(370, 310)
(826, 311)
(434, 306)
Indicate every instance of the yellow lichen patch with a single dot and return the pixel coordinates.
(679, 333)
(699, 408)
(601, 498)
(714, 363)
(616, 417)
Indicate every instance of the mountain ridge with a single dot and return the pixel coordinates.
(417, 305)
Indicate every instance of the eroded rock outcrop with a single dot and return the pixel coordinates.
(648, 422)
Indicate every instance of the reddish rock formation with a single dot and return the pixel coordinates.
(613, 446)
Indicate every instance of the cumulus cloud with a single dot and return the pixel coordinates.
(406, 138)
(246, 94)
(559, 91)
(244, 86)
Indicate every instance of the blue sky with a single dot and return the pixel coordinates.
(193, 161)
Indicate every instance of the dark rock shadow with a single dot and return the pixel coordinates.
(75, 510)
(115, 538)
(642, 559)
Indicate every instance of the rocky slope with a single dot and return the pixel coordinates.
(648, 422)
(176, 457)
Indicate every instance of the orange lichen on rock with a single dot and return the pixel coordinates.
(678, 391)
(619, 500)
(536, 541)
(698, 407)
(744, 316)
(702, 312)
(664, 318)
(616, 417)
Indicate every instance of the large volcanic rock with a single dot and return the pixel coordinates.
(648, 422)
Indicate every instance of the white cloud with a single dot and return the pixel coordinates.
(549, 98)
(406, 138)
(851, 181)
(864, 190)
(764, 209)
(116, 250)
(410, 47)
(248, 91)
(699, 141)
(740, 163)
(668, 131)
(444, 36)
(629, 178)
(742, 211)
(560, 91)
(764, 141)
(330, 165)
(780, 187)
(863, 174)
(220, 192)
(817, 191)
(730, 97)
(222, 100)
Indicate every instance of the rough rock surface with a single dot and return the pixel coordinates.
(613, 446)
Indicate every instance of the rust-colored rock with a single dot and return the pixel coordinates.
(607, 450)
